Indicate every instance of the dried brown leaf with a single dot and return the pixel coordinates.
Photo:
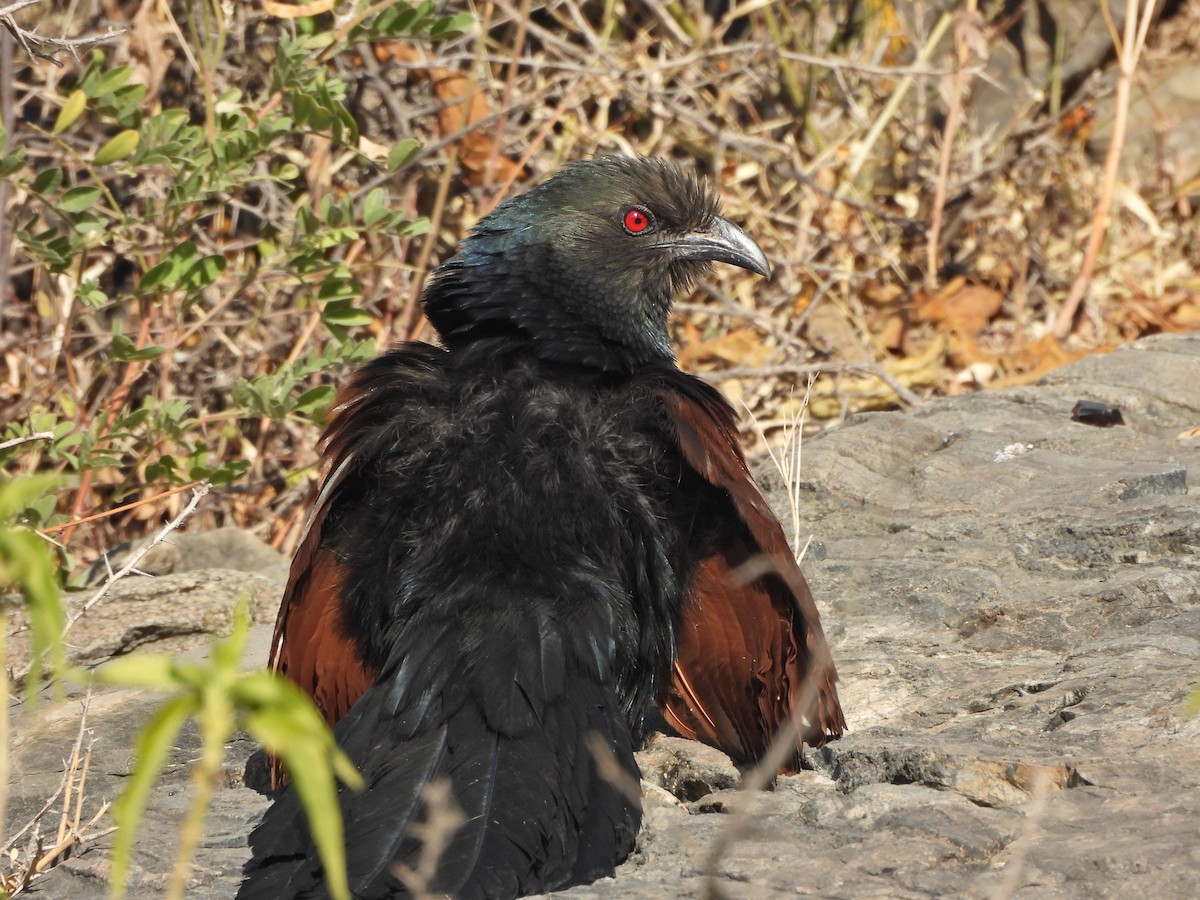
(959, 306)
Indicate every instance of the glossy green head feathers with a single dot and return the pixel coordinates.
(583, 268)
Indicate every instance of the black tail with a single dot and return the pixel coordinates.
(516, 748)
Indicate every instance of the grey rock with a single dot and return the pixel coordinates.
(1163, 126)
(43, 738)
(1045, 46)
(1013, 600)
(166, 614)
(685, 770)
(221, 548)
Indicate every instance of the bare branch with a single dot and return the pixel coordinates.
(136, 557)
(42, 852)
(27, 438)
(40, 47)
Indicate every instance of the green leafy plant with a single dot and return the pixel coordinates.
(161, 199)
(223, 699)
(28, 566)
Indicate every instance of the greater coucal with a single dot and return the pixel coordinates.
(526, 537)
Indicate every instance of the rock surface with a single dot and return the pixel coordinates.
(200, 579)
(1065, 48)
(1013, 600)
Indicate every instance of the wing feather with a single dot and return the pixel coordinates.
(751, 647)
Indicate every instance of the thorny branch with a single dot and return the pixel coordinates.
(131, 566)
(198, 494)
(40, 47)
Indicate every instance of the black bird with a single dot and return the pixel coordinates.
(525, 538)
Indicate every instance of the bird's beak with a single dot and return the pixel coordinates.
(723, 242)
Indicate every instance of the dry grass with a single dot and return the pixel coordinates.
(32, 851)
(443, 819)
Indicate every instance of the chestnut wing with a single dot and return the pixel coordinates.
(750, 646)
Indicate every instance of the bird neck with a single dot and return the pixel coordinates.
(528, 304)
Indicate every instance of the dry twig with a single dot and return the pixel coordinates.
(968, 41)
(1138, 17)
(27, 438)
(1034, 813)
(742, 820)
(40, 47)
(443, 818)
(198, 494)
(39, 856)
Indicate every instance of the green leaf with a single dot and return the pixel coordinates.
(37, 512)
(132, 420)
(110, 82)
(259, 689)
(162, 469)
(158, 276)
(26, 564)
(152, 748)
(337, 286)
(375, 207)
(451, 26)
(124, 350)
(100, 462)
(125, 102)
(17, 494)
(313, 782)
(174, 267)
(424, 17)
(230, 471)
(403, 21)
(48, 180)
(71, 110)
(12, 162)
(119, 147)
(78, 199)
(341, 312)
(345, 127)
(288, 725)
(416, 227)
(316, 399)
(309, 114)
(152, 670)
(402, 154)
(88, 223)
(204, 272)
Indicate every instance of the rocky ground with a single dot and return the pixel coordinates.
(1013, 599)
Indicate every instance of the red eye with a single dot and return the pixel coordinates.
(636, 220)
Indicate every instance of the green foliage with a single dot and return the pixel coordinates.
(223, 699)
(401, 20)
(278, 394)
(151, 193)
(28, 566)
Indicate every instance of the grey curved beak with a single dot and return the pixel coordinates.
(723, 242)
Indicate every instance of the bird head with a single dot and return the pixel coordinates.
(582, 269)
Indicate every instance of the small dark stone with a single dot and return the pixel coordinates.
(1090, 412)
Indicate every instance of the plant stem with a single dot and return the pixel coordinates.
(204, 780)
(1129, 49)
